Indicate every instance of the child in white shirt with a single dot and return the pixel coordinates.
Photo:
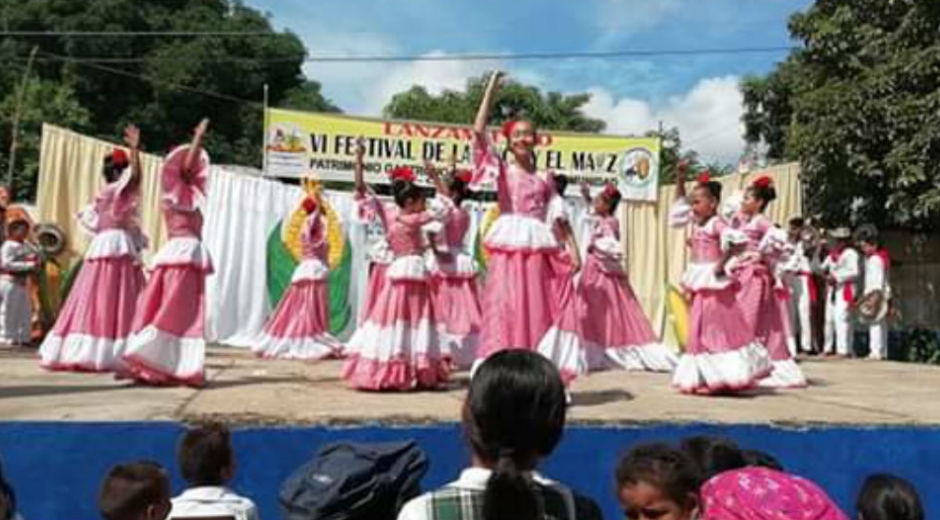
(16, 261)
(876, 288)
(207, 462)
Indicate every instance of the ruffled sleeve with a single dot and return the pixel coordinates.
(680, 214)
(488, 166)
(558, 210)
(125, 207)
(178, 191)
(728, 236)
(775, 243)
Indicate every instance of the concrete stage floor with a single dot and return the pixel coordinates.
(245, 390)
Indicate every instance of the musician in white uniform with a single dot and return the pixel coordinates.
(16, 260)
(873, 307)
(841, 269)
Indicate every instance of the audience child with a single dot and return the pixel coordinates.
(514, 416)
(207, 462)
(658, 482)
(886, 497)
(135, 491)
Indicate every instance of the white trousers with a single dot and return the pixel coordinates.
(801, 325)
(16, 312)
(878, 340)
(838, 331)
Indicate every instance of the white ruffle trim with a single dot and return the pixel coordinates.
(652, 357)
(311, 269)
(399, 341)
(306, 348)
(786, 374)
(463, 349)
(515, 231)
(112, 243)
(733, 370)
(700, 276)
(456, 263)
(178, 357)
(184, 251)
(82, 352)
(411, 267)
(564, 350)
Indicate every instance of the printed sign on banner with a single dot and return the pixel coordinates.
(302, 144)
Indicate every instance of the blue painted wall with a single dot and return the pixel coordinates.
(56, 467)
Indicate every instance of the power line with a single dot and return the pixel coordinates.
(460, 57)
(156, 81)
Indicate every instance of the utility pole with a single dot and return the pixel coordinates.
(14, 137)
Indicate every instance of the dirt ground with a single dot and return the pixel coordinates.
(245, 390)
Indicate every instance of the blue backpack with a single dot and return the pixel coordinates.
(354, 481)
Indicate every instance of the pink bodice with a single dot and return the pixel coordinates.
(405, 236)
(116, 206)
(181, 223)
(705, 241)
(456, 227)
(605, 227)
(313, 238)
(518, 191)
(754, 228)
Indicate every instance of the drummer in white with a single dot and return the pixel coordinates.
(873, 307)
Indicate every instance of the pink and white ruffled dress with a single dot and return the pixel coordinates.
(398, 346)
(299, 327)
(521, 300)
(95, 321)
(167, 347)
(379, 256)
(616, 332)
(722, 353)
(762, 298)
(454, 287)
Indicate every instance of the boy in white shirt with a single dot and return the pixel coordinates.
(876, 291)
(16, 261)
(841, 269)
(797, 274)
(207, 462)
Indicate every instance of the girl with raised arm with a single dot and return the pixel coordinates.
(722, 353)
(398, 346)
(167, 347)
(519, 301)
(299, 327)
(95, 321)
(454, 272)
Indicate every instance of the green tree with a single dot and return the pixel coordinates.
(165, 84)
(550, 110)
(859, 106)
(42, 101)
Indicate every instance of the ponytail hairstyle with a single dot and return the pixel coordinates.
(612, 195)
(513, 416)
(713, 188)
(886, 497)
(114, 165)
(404, 188)
(763, 189)
(459, 185)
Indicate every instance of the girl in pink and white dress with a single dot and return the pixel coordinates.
(299, 327)
(520, 302)
(167, 346)
(454, 275)
(762, 297)
(95, 321)
(722, 353)
(398, 346)
(616, 332)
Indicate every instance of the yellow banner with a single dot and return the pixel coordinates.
(300, 144)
